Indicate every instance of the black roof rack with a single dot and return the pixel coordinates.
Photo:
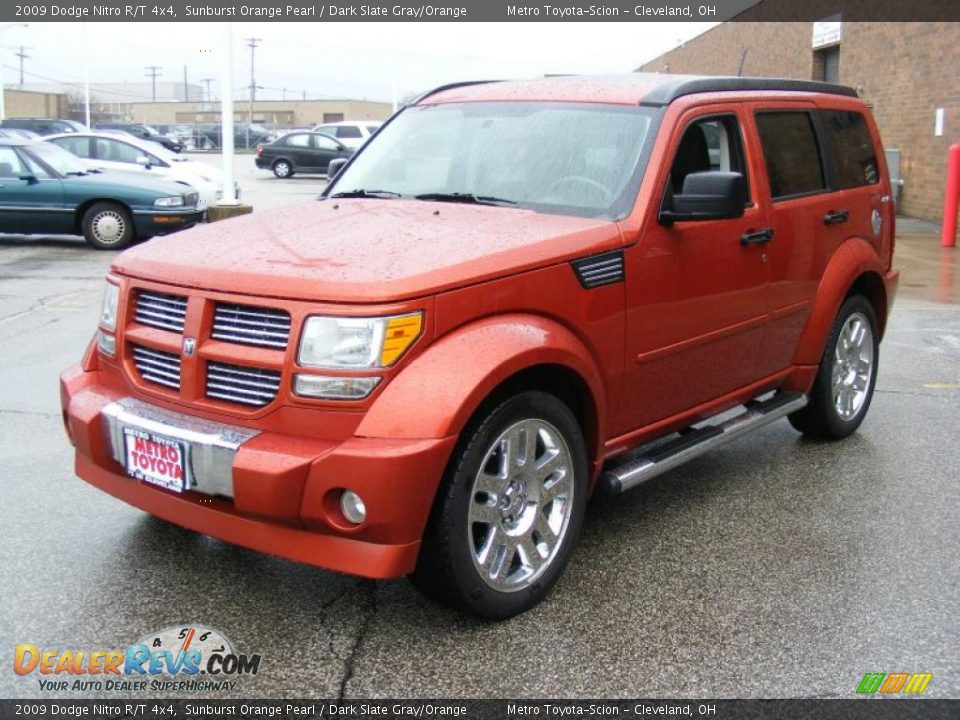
(681, 85)
(449, 86)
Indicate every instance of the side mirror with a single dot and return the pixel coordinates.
(710, 195)
(336, 165)
(143, 161)
(30, 178)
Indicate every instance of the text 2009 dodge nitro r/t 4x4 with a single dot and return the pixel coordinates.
(509, 289)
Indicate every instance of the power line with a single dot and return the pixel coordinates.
(153, 72)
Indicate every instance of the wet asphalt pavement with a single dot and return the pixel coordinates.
(774, 567)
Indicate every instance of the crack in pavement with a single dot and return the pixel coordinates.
(34, 413)
(354, 652)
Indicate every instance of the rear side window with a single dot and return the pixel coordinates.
(851, 148)
(791, 153)
(348, 131)
(297, 141)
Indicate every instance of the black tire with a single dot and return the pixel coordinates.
(448, 569)
(821, 418)
(108, 226)
(282, 168)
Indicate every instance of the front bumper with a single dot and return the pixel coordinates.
(271, 492)
(160, 222)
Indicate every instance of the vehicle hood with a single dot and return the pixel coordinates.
(113, 180)
(365, 250)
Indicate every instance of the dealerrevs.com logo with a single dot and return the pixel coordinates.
(187, 658)
(894, 683)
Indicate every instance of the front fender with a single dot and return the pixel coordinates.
(436, 394)
(854, 258)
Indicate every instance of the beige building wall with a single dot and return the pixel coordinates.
(24, 103)
(906, 71)
(284, 113)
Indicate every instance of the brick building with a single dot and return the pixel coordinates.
(906, 71)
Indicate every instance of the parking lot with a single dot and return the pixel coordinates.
(774, 567)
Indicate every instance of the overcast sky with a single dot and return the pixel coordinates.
(339, 60)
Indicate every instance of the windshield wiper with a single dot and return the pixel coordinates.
(362, 193)
(78, 173)
(467, 198)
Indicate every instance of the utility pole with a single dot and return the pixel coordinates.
(304, 94)
(23, 56)
(284, 91)
(252, 44)
(153, 72)
(207, 82)
(186, 87)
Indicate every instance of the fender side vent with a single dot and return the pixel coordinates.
(599, 270)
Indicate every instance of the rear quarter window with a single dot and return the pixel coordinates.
(850, 148)
(791, 153)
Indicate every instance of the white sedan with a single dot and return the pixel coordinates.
(108, 151)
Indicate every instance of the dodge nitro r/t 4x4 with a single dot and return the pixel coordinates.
(515, 295)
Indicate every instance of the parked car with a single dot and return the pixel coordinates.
(143, 132)
(305, 152)
(109, 152)
(19, 134)
(44, 126)
(246, 136)
(516, 295)
(352, 134)
(44, 190)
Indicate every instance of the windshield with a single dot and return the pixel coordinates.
(563, 158)
(63, 162)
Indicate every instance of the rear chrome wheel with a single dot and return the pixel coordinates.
(509, 511)
(282, 169)
(843, 388)
(520, 505)
(852, 366)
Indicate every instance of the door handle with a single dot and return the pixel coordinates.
(836, 218)
(756, 237)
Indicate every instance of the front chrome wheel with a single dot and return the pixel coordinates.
(853, 365)
(520, 505)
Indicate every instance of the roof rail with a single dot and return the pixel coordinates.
(449, 86)
(669, 91)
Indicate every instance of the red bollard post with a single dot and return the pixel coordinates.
(952, 198)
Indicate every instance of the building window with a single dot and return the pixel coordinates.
(332, 117)
(826, 64)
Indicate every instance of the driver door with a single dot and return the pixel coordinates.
(696, 290)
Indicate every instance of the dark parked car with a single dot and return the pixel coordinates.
(209, 136)
(143, 132)
(44, 126)
(307, 152)
(45, 190)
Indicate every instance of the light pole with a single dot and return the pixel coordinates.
(3, 99)
(229, 196)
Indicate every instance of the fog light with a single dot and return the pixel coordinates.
(106, 343)
(334, 388)
(352, 507)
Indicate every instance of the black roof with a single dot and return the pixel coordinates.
(679, 85)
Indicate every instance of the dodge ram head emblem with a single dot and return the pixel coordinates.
(189, 347)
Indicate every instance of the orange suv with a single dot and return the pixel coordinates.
(515, 295)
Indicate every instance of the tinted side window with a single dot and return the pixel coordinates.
(791, 153)
(297, 140)
(324, 143)
(851, 148)
(79, 146)
(348, 131)
(115, 151)
(708, 144)
(10, 165)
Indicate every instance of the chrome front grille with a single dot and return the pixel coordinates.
(247, 325)
(157, 366)
(159, 310)
(242, 384)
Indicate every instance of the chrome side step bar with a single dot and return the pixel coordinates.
(696, 442)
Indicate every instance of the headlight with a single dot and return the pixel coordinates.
(108, 311)
(357, 343)
(172, 201)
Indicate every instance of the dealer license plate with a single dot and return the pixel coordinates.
(155, 459)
